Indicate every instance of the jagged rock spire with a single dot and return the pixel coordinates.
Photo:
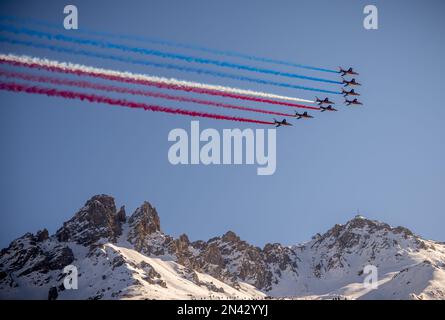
(97, 219)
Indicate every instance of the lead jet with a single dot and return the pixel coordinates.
(349, 93)
(349, 71)
(281, 123)
(328, 108)
(320, 102)
(350, 83)
(302, 115)
(355, 101)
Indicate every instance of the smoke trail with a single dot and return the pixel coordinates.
(95, 86)
(127, 77)
(160, 65)
(15, 87)
(170, 44)
(157, 53)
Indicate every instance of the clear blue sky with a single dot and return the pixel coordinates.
(387, 158)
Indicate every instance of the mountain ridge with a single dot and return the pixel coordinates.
(120, 257)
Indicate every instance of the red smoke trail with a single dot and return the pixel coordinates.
(95, 86)
(15, 87)
(153, 83)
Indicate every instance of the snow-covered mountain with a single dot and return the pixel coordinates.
(120, 257)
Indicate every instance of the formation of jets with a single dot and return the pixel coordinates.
(326, 104)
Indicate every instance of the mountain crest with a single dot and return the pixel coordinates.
(145, 219)
(133, 258)
(97, 219)
(145, 232)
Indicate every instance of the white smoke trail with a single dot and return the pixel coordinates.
(168, 81)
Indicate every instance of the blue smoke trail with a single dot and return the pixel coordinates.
(170, 44)
(151, 52)
(156, 64)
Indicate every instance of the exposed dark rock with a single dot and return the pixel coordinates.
(151, 276)
(145, 220)
(145, 232)
(405, 231)
(282, 256)
(52, 293)
(212, 287)
(42, 235)
(213, 255)
(117, 262)
(56, 259)
(230, 236)
(121, 215)
(97, 219)
(60, 258)
(180, 248)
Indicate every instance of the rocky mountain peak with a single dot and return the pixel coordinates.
(121, 215)
(42, 235)
(95, 220)
(230, 237)
(360, 223)
(145, 231)
(370, 240)
(145, 219)
(359, 227)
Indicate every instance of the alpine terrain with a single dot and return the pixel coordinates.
(121, 257)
